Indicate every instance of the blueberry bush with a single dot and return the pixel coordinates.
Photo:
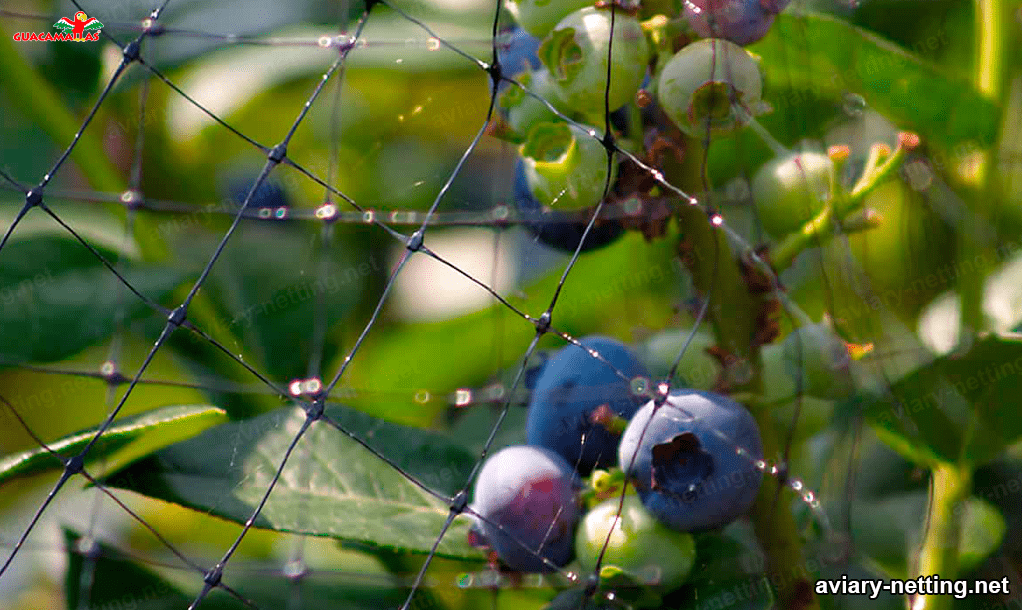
(539, 304)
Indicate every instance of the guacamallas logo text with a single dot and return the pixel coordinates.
(81, 28)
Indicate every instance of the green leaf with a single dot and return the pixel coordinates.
(126, 440)
(890, 530)
(58, 298)
(112, 581)
(272, 283)
(331, 486)
(957, 409)
(916, 95)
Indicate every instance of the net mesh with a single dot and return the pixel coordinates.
(364, 248)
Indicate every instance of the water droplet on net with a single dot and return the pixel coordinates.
(854, 104)
(640, 386)
(462, 397)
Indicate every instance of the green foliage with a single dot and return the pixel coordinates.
(125, 440)
(954, 409)
(344, 492)
(58, 298)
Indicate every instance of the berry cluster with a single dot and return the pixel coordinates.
(573, 62)
(691, 459)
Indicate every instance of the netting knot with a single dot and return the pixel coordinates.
(414, 241)
(459, 502)
(132, 51)
(178, 315)
(609, 142)
(543, 323)
(213, 576)
(74, 465)
(314, 410)
(496, 72)
(278, 153)
(34, 197)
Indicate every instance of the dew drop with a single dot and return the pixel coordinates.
(265, 212)
(324, 42)
(462, 397)
(465, 581)
(107, 368)
(422, 397)
(326, 211)
(368, 216)
(639, 386)
(432, 43)
(854, 104)
(295, 387)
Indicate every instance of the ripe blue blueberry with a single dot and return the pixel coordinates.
(710, 85)
(562, 230)
(577, 54)
(516, 50)
(685, 464)
(528, 498)
(569, 394)
(743, 22)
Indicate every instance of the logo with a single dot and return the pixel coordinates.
(81, 28)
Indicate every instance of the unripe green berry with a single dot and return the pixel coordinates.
(791, 190)
(566, 168)
(525, 111)
(710, 84)
(819, 358)
(538, 17)
(639, 544)
(577, 51)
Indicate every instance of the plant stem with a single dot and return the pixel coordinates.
(732, 312)
(973, 244)
(821, 228)
(950, 486)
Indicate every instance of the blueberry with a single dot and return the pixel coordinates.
(270, 193)
(568, 393)
(576, 53)
(790, 190)
(517, 51)
(819, 359)
(743, 22)
(711, 84)
(532, 493)
(687, 468)
(538, 17)
(636, 543)
(559, 229)
(565, 166)
(523, 111)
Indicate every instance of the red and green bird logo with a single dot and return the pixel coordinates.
(81, 24)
